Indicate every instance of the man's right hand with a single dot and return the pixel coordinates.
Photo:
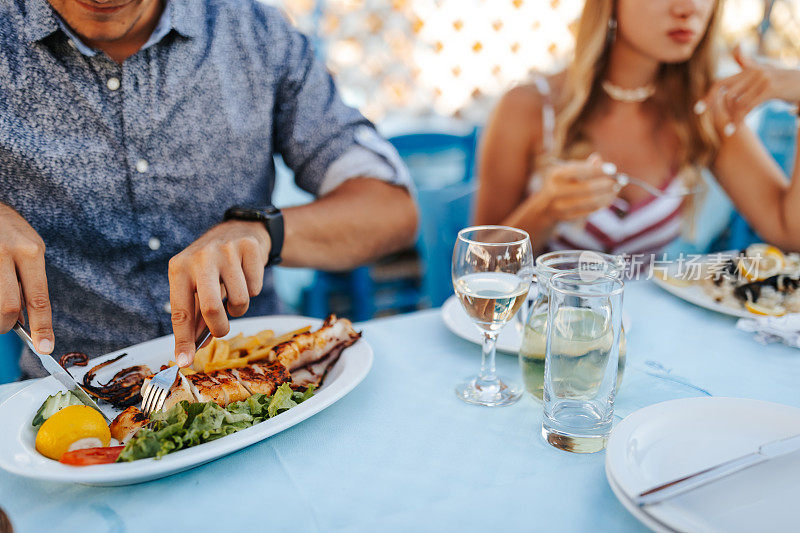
(23, 282)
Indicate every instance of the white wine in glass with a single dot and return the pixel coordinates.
(492, 271)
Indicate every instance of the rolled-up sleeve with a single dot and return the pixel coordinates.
(324, 141)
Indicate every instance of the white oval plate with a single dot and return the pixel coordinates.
(672, 439)
(510, 338)
(694, 294)
(457, 321)
(18, 455)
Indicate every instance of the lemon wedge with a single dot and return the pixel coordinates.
(764, 311)
(72, 428)
(761, 262)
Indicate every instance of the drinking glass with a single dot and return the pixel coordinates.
(581, 360)
(532, 318)
(492, 270)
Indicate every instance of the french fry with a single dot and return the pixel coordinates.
(203, 355)
(222, 352)
(264, 351)
(265, 336)
(224, 365)
(237, 342)
(251, 344)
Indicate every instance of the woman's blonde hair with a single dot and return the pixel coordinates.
(678, 87)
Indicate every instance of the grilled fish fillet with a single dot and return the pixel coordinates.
(206, 389)
(307, 348)
(262, 378)
(234, 391)
(306, 358)
(127, 423)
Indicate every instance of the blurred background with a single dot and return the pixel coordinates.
(428, 73)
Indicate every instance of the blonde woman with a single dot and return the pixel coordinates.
(640, 93)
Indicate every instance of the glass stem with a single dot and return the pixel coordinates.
(488, 375)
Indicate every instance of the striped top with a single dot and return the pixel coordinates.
(644, 227)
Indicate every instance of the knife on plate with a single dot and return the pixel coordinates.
(765, 452)
(58, 372)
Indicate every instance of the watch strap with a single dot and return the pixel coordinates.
(271, 217)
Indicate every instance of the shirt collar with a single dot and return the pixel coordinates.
(42, 21)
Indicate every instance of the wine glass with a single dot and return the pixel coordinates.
(492, 271)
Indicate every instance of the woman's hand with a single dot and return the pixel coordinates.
(575, 189)
(229, 260)
(732, 98)
(23, 282)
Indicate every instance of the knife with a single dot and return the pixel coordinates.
(58, 372)
(765, 452)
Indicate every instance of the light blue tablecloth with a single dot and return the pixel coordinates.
(401, 453)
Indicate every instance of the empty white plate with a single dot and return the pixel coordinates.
(668, 440)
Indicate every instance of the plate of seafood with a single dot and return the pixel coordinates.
(761, 280)
(267, 375)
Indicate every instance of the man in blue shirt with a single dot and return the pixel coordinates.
(136, 169)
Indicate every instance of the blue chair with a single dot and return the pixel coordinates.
(436, 160)
(776, 129)
(441, 167)
(443, 213)
(10, 348)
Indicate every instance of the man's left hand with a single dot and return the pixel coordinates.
(228, 261)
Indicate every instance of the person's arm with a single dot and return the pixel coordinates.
(359, 221)
(756, 185)
(759, 189)
(570, 190)
(364, 208)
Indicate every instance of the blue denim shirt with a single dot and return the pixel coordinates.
(120, 167)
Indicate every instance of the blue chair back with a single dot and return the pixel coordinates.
(10, 348)
(443, 213)
(441, 166)
(436, 160)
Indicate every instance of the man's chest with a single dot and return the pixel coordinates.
(126, 146)
(87, 117)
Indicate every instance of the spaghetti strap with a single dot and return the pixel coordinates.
(548, 114)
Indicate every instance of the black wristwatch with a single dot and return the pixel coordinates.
(271, 217)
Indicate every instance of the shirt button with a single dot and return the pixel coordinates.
(154, 243)
(142, 166)
(112, 84)
(167, 308)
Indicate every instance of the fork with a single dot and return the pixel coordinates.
(610, 169)
(155, 393)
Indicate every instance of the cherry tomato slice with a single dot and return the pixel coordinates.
(92, 456)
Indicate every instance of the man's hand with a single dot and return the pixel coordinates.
(229, 260)
(23, 282)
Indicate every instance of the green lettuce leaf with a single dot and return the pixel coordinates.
(281, 400)
(189, 424)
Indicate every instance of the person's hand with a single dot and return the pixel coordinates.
(229, 260)
(23, 282)
(576, 189)
(732, 98)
